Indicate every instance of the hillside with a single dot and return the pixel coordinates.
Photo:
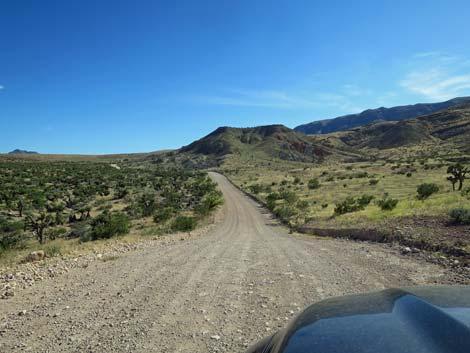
(376, 115)
(18, 151)
(262, 142)
(450, 127)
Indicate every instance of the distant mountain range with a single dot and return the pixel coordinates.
(450, 126)
(445, 130)
(377, 115)
(18, 151)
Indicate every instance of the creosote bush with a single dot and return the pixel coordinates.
(348, 205)
(351, 204)
(426, 189)
(184, 224)
(108, 225)
(460, 215)
(387, 203)
(313, 184)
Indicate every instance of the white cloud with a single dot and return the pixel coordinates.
(255, 98)
(355, 91)
(285, 100)
(438, 76)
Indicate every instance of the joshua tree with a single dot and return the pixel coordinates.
(20, 205)
(458, 174)
(38, 225)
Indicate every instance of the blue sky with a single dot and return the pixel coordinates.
(115, 76)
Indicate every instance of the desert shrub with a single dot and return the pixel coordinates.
(55, 233)
(146, 204)
(288, 196)
(184, 224)
(364, 200)
(81, 230)
(285, 212)
(271, 200)
(108, 225)
(346, 206)
(302, 204)
(360, 175)
(259, 188)
(52, 250)
(256, 188)
(313, 184)
(387, 203)
(409, 174)
(297, 180)
(163, 214)
(324, 205)
(209, 203)
(10, 234)
(460, 215)
(426, 189)
(466, 192)
(373, 181)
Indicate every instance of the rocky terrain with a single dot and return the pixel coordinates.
(215, 292)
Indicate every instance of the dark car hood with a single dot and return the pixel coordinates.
(410, 320)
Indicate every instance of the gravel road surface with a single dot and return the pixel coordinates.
(216, 292)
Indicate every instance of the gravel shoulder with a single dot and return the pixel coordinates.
(216, 292)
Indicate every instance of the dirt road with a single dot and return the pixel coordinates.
(214, 293)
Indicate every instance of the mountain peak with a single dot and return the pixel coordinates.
(18, 151)
(369, 116)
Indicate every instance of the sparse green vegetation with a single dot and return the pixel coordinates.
(460, 215)
(347, 205)
(387, 203)
(184, 224)
(426, 189)
(313, 184)
(108, 225)
(49, 202)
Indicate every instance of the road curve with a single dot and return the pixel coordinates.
(217, 292)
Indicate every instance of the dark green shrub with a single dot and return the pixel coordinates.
(55, 233)
(302, 205)
(184, 224)
(108, 225)
(324, 205)
(373, 181)
(288, 196)
(285, 212)
(256, 188)
(147, 204)
(346, 206)
(163, 214)
(313, 184)
(466, 192)
(426, 189)
(364, 200)
(81, 230)
(271, 200)
(460, 215)
(10, 234)
(209, 202)
(387, 203)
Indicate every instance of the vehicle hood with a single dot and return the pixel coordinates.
(409, 320)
